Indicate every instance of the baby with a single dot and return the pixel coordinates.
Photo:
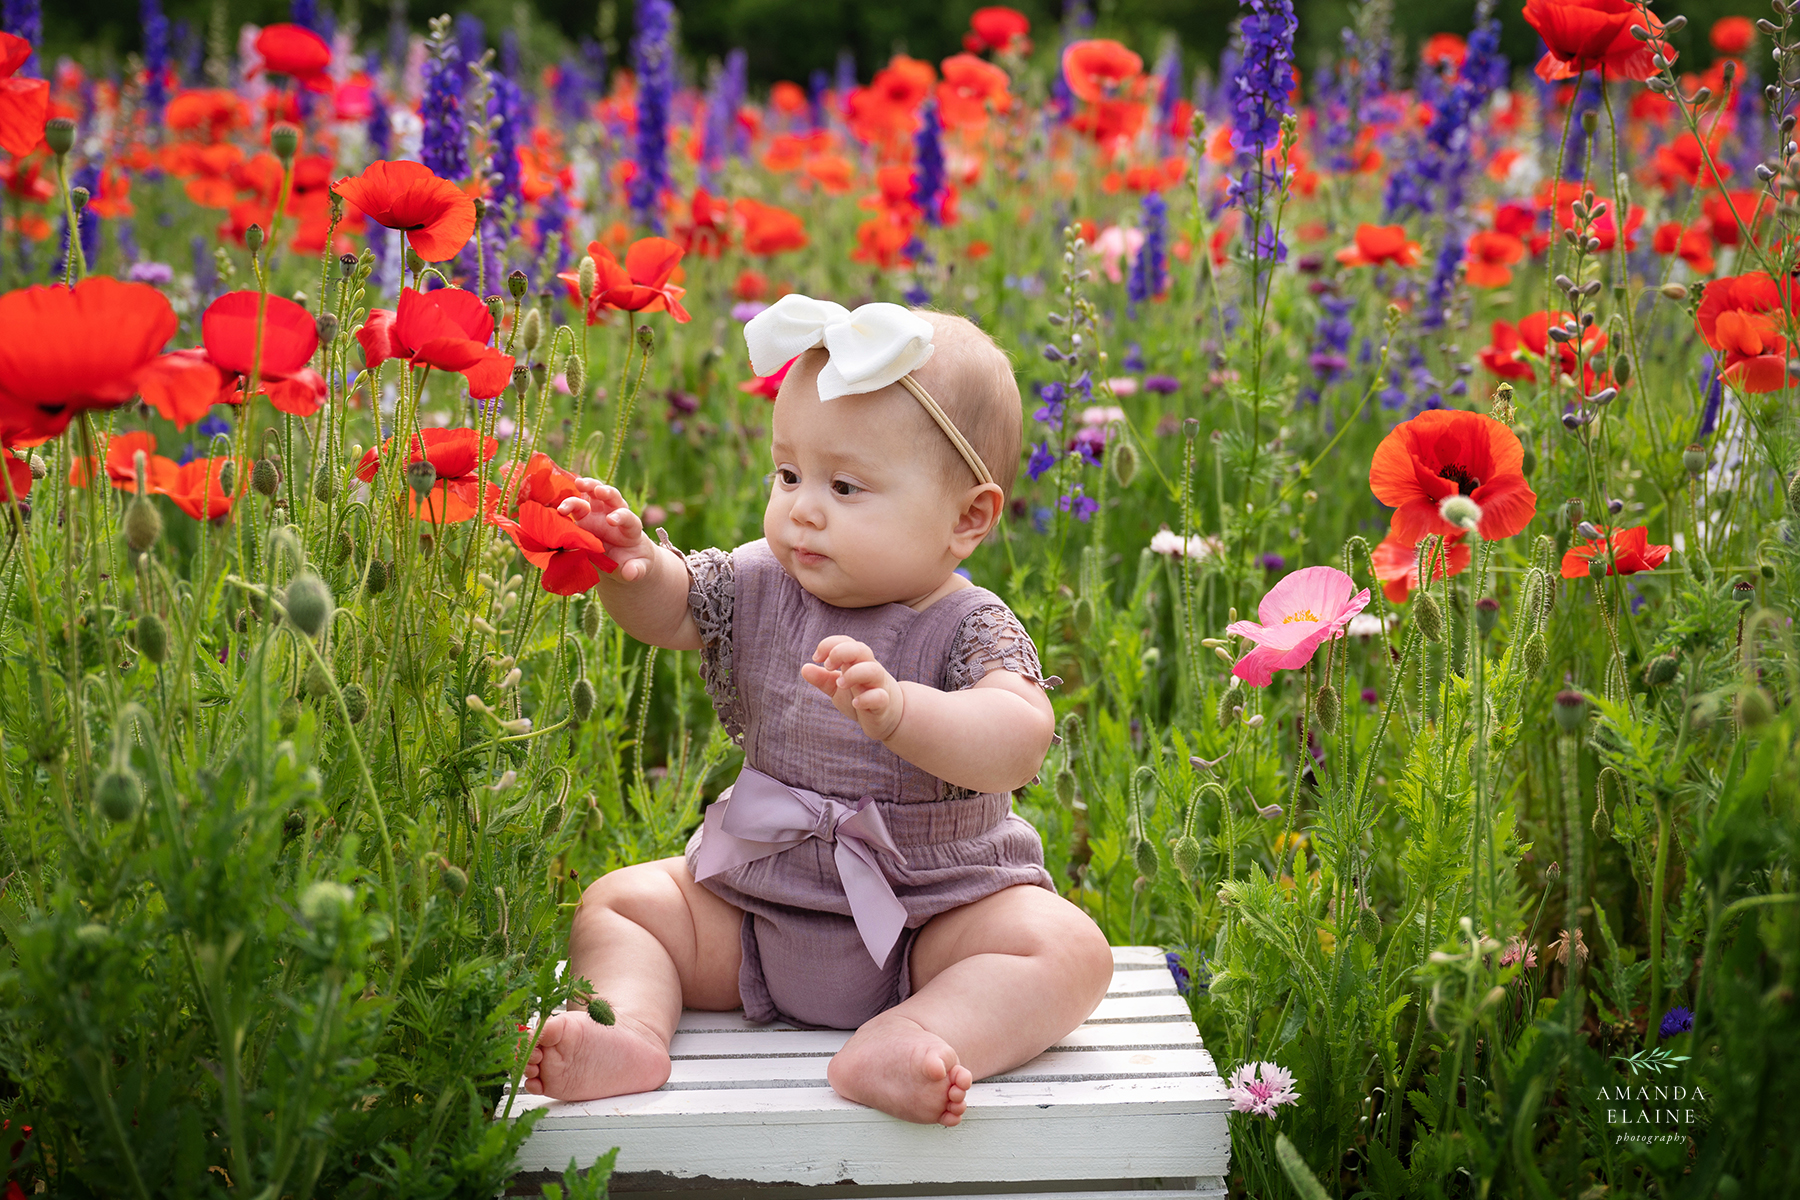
(865, 871)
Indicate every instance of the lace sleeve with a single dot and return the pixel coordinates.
(710, 596)
(990, 639)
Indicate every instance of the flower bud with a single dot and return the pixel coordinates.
(516, 283)
(1186, 855)
(265, 477)
(1487, 613)
(1430, 618)
(287, 717)
(1460, 511)
(1574, 510)
(1570, 710)
(1064, 784)
(1661, 670)
(79, 197)
(1124, 463)
(59, 135)
(327, 323)
(601, 1011)
(253, 237)
(585, 276)
(1536, 654)
(325, 486)
(346, 264)
(590, 618)
(38, 467)
(118, 793)
(575, 375)
(1793, 490)
(308, 603)
(1144, 854)
(318, 681)
(581, 699)
(553, 819)
(152, 638)
(646, 338)
(1590, 121)
(378, 577)
(1327, 706)
(356, 702)
(1621, 370)
(414, 263)
(1368, 925)
(1674, 291)
(1588, 530)
(540, 375)
(284, 139)
(1230, 699)
(1083, 614)
(228, 478)
(531, 330)
(454, 879)
(421, 476)
(143, 524)
(1755, 707)
(1602, 822)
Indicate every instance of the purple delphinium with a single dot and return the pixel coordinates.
(1042, 459)
(553, 217)
(1082, 506)
(514, 110)
(817, 84)
(24, 18)
(1150, 273)
(1134, 357)
(653, 61)
(304, 13)
(441, 141)
(843, 81)
(87, 176)
(1090, 443)
(156, 59)
(1051, 412)
(471, 38)
(1168, 73)
(1440, 158)
(1331, 343)
(1575, 150)
(1712, 393)
(570, 95)
(928, 167)
(206, 272)
(381, 122)
(1182, 979)
(1679, 1019)
(190, 50)
(1260, 101)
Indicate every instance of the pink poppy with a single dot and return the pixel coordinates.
(1299, 614)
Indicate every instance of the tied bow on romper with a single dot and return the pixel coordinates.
(837, 849)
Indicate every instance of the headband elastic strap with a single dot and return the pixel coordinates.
(950, 430)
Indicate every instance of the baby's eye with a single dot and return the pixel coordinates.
(844, 487)
(786, 476)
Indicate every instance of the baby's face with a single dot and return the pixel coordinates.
(857, 514)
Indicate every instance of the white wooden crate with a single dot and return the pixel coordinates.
(1126, 1106)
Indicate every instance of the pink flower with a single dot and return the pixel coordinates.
(1518, 951)
(1114, 243)
(1260, 1088)
(1304, 610)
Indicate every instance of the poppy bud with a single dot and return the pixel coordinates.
(540, 375)
(318, 681)
(345, 547)
(1083, 614)
(228, 478)
(59, 134)
(1602, 822)
(1661, 670)
(590, 619)
(414, 263)
(1186, 855)
(601, 1011)
(152, 638)
(1621, 370)
(1144, 854)
(1537, 653)
(1755, 707)
(253, 237)
(420, 477)
(1124, 463)
(265, 477)
(1460, 511)
(117, 793)
(1487, 613)
(325, 486)
(454, 879)
(1368, 926)
(531, 332)
(1597, 566)
(1327, 706)
(553, 819)
(1793, 492)
(1570, 710)
(378, 577)
(646, 338)
(521, 378)
(1573, 508)
(516, 283)
(1229, 701)
(79, 196)
(1064, 784)
(356, 702)
(581, 700)
(575, 375)
(327, 324)
(1674, 291)
(496, 307)
(1429, 617)
(284, 139)
(308, 603)
(585, 276)
(143, 524)
(287, 717)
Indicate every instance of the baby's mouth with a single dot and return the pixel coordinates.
(807, 557)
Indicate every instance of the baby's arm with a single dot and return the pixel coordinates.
(991, 737)
(648, 593)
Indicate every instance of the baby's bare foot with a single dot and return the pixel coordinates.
(898, 1066)
(577, 1058)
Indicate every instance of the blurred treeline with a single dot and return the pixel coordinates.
(789, 39)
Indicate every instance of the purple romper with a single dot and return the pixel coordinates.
(804, 960)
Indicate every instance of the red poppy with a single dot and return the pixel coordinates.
(769, 229)
(1504, 359)
(971, 89)
(1694, 245)
(767, 386)
(997, 28)
(69, 349)
(541, 481)
(1489, 258)
(437, 216)
(210, 112)
(1744, 318)
(1686, 160)
(1730, 213)
(1444, 50)
(570, 557)
(750, 285)
(24, 103)
(1397, 564)
(1447, 452)
(183, 384)
(449, 329)
(198, 489)
(1377, 245)
(1595, 34)
(1732, 35)
(297, 51)
(1516, 220)
(1100, 69)
(290, 337)
(1631, 553)
(641, 285)
(121, 464)
(458, 455)
(1501, 354)
(705, 232)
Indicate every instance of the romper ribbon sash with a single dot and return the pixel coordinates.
(765, 816)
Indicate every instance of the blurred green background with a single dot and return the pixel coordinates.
(787, 39)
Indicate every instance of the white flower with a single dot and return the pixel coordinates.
(1367, 624)
(1197, 548)
(1124, 385)
(1099, 414)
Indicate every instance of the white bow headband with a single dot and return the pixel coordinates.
(870, 348)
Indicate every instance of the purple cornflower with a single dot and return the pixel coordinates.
(928, 168)
(1042, 459)
(441, 141)
(1082, 506)
(156, 59)
(1182, 979)
(1162, 385)
(1090, 443)
(157, 274)
(653, 61)
(1149, 273)
(24, 18)
(1272, 562)
(1369, 696)
(1679, 1019)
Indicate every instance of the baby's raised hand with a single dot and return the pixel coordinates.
(861, 688)
(602, 511)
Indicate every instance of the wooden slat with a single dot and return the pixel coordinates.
(784, 1042)
(1051, 1066)
(1167, 1007)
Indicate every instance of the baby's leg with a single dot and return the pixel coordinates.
(995, 984)
(651, 941)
